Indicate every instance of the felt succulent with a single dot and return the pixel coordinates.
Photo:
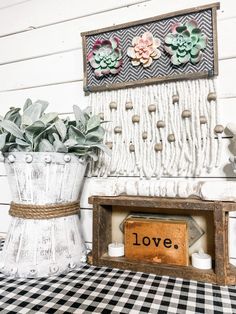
(36, 131)
(105, 57)
(144, 50)
(185, 43)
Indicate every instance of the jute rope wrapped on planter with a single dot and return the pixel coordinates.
(43, 211)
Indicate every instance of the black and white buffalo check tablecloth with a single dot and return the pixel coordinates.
(104, 290)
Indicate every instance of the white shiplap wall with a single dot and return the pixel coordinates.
(41, 57)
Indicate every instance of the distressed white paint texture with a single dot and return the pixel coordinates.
(41, 58)
(43, 247)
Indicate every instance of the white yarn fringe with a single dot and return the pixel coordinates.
(194, 149)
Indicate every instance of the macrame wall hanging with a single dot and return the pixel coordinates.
(153, 81)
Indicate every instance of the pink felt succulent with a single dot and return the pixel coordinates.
(105, 57)
(144, 50)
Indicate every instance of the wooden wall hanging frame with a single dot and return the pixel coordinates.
(162, 69)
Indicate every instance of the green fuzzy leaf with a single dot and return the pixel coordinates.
(38, 138)
(35, 127)
(93, 123)
(103, 147)
(70, 142)
(61, 129)
(76, 134)
(12, 128)
(2, 140)
(12, 114)
(58, 145)
(22, 143)
(49, 117)
(79, 116)
(87, 112)
(27, 104)
(45, 146)
(95, 136)
(44, 104)
(31, 114)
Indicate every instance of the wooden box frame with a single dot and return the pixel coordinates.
(196, 75)
(223, 273)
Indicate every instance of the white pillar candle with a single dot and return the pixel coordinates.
(116, 249)
(201, 260)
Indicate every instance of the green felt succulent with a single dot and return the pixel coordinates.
(37, 131)
(185, 43)
(105, 57)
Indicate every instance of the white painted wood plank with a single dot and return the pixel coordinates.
(112, 186)
(233, 261)
(232, 237)
(89, 246)
(61, 97)
(6, 4)
(66, 36)
(4, 218)
(226, 42)
(67, 67)
(86, 218)
(116, 186)
(58, 68)
(34, 13)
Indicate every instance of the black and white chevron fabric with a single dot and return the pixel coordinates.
(162, 66)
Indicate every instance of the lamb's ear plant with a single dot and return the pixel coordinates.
(37, 131)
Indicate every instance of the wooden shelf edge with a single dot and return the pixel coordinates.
(186, 272)
(155, 202)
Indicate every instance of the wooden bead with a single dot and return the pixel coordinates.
(101, 115)
(144, 135)
(128, 105)
(109, 144)
(113, 105)
(161, 124)
(131, 148)
(203, 120)
(135, 118)
(158, 147)
(186, 114)
(152, 108)
(211, 97)
(171, 138)
(219, 129)
(117, 130)
(175, 99)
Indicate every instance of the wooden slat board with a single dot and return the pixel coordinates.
(64, 37)
(50, 27)
(157, 241)
(33, 14)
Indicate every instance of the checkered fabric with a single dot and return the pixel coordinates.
(104, 290)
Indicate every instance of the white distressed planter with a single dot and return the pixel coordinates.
(43, 247)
